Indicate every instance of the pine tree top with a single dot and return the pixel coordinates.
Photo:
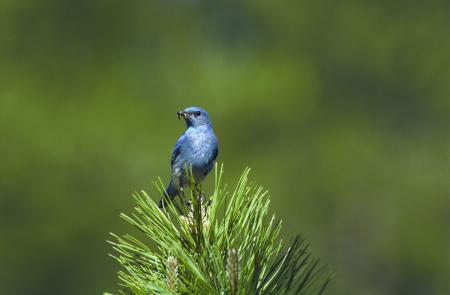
(224, 244)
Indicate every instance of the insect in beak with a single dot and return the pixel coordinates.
(181, 114)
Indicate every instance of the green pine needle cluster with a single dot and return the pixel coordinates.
(224, 244)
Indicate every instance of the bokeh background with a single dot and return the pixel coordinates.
(341, 108)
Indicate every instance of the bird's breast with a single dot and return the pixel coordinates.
(201, 148)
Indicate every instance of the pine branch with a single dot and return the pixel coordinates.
(222, 245)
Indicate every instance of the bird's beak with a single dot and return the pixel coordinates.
(181, 114)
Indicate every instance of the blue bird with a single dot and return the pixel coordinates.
(197, 148)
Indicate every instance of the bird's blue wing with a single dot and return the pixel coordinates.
(215, 153)
(176, 150)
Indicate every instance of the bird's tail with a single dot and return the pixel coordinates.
(169, 194)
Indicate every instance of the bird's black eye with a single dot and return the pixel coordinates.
(197, 113)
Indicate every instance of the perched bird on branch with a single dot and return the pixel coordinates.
(196, 149)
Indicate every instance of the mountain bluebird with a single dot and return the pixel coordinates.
(197, 148)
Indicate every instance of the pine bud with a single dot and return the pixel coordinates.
(233, 270)
(172, 273)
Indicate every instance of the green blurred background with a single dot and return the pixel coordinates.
(342, 109)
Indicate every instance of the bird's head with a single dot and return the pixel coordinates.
(194, 116)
